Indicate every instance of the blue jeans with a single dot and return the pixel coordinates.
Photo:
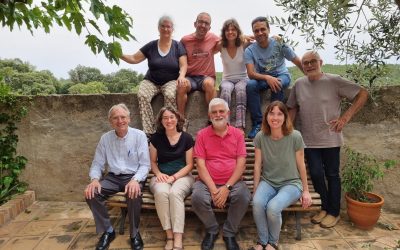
(324, 163)
(268, 203)
(253, 89)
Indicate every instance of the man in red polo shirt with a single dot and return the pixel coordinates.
(220, 153)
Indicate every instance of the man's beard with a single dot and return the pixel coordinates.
(219, 123)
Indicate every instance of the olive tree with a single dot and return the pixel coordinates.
(365, 32)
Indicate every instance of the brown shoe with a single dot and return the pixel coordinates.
(316, 219)
(329, 221)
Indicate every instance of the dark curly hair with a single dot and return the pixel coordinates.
(225, 26)
(180, 121)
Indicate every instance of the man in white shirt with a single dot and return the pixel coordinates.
(125, 151)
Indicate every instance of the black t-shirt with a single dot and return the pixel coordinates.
(162, 69)
(171, 158)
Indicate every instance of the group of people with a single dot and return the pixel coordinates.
(177, 68)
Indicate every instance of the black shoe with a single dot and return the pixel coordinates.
(208, 241)
(105, 240)
(231, 243)
(137, 242)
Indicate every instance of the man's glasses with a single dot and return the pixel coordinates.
(313, 62)
(201, 22)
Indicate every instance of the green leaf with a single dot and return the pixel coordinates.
(94, 24)
(66, 22)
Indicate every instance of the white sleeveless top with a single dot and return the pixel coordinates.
(233, 68)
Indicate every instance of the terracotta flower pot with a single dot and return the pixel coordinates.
(364, 215)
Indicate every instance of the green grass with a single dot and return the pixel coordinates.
(393, 77)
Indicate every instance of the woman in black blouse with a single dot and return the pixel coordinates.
(171, 153)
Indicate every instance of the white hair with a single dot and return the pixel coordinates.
(119, 105)
(217, 101)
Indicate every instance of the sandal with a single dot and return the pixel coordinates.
(169, 239)
(258, 244)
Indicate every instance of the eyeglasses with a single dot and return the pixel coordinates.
(202, 22)
(166, 27)
(116, 118)
(313, 62)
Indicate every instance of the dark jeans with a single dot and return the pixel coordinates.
(202, 205)
(253, 89)
(323, 164)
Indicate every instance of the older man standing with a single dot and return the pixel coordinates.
(221, 155)
(125, 151)
(200, 47)
(316, 97)
(265, 63)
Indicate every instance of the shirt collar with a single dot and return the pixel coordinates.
(119, 138)
(229, 132)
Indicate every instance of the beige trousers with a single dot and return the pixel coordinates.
(147, 90)
(169, 201)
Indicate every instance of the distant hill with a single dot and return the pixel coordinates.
(393, 77)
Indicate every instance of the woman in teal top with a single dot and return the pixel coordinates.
(171, 155)
(280, 177)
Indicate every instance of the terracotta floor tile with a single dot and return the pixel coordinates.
(346, 229)
(298, 245)
(3, 241)
(85, 241)
(50, 214)
(121, 242)
(78, 212)
(90, 227)
(153, 238)
(37, 228)
(327, 244)
(23, 242)
(314, 231)
(369, 243)
(12, 227)
(391, 241)
(56, 242)
(69, 226)
(29, 214)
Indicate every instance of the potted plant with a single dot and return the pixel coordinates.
(358, 175)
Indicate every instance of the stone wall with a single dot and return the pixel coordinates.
(60, 134)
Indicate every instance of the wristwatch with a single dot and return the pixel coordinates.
(229, 187)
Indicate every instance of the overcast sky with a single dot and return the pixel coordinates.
(61, 51)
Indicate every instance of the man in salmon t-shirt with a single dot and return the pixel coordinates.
(200, 47)
(220, 154)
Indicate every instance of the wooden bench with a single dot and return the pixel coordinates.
(118, 200)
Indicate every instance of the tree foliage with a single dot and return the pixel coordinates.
(77, 15)
(83, 74)
(123, 81)
(89, 88)
(366, 32)
(23, 79)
